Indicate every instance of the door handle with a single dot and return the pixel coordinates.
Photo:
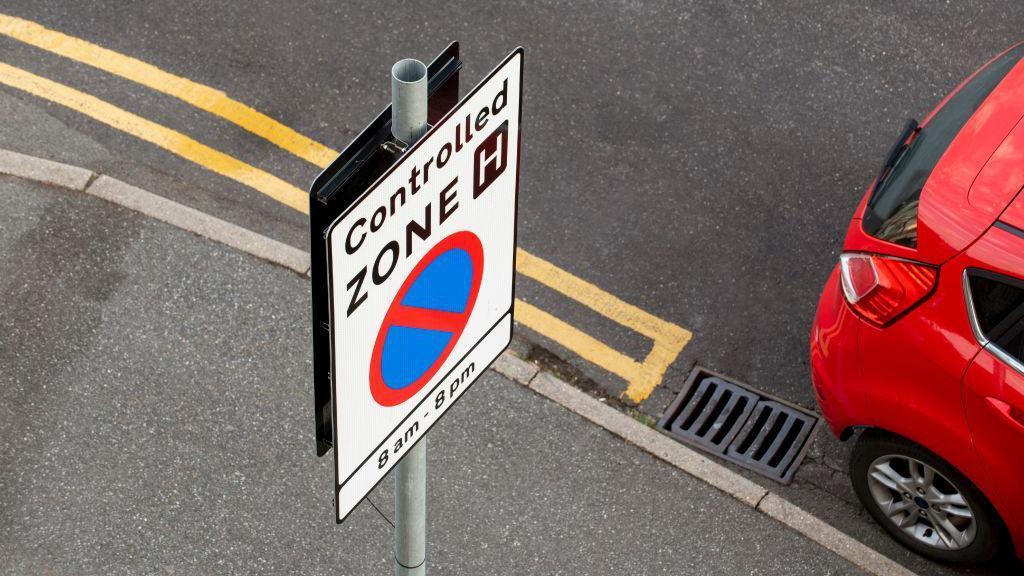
(1012, 413)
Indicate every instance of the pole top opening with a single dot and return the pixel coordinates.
(409, 71)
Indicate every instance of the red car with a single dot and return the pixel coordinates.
(917, 349)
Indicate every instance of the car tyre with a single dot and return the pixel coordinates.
(873, 449)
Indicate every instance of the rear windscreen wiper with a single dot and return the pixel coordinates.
(893, 157)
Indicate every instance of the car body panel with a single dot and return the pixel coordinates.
(835, 361)
(1014, 214)
(992, 390)
(1001, 179)
(913, 371)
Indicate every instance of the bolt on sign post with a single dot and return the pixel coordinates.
(413, 237)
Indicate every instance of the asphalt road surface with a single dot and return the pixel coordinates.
(157, 422)
(698, 160)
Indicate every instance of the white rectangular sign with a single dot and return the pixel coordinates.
(421, 270)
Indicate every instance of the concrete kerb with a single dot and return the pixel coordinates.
(44, 171)
(828, 536)
(525, 373)
(634, 432)
(199, 223)
(155, 206)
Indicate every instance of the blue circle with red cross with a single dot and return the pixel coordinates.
(426, 318)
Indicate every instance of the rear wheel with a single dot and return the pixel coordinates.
(922, 501)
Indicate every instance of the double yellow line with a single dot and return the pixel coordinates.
(642, 375)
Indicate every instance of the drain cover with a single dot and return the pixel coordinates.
(735, 422)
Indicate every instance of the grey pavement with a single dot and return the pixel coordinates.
(155, 419)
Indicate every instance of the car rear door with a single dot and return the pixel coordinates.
(994, 382)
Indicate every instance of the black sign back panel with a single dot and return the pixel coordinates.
(358, 166)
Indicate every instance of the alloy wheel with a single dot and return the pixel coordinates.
(921, 502)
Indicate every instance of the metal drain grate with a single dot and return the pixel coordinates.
(711, 416)
(733, 421)
(772, 440)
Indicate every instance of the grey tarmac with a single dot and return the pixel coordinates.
(158, 421)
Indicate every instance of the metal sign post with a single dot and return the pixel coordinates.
(408, 123)
(413, 244)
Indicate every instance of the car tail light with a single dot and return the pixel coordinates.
(881, 288)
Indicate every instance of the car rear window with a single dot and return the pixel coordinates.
(892, 208)
(998, 304)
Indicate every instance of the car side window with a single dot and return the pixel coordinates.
(998, 304)
(1014, 345)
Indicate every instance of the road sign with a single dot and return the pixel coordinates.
(426, 319)
(421, 269)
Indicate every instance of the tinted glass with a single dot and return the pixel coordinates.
(999, 309)
(1014, 346)
(892, 210)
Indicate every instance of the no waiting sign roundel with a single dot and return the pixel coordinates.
(421, 278)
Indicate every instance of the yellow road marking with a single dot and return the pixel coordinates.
(591, 296)
(661, 356)
(643, 377)
(174, 142)
(203, 97)
(669, 339)
(588, 347)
